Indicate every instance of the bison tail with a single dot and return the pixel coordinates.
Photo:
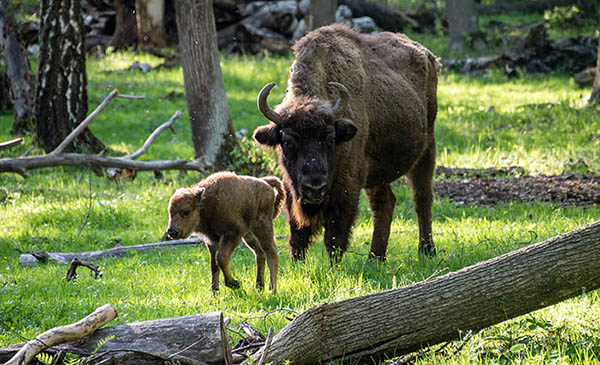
(280, 193)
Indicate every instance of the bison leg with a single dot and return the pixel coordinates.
(338, 225)
(264, 232)
(382, 201)
(252, 242)
(421, 182)
(226, 247)
(214, 268)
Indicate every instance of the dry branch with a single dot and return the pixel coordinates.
(57, 158)
(75, 263)
(192, 340)
(68, 333)
(11, 143)
(35, 257)
(396, 322)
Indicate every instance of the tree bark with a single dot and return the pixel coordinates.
(462, 23)
(212, 129)
(322, 12)
(384, 16)
(61, 92)
(125, 24)
(192, 340)
(595, 97)
(150, 20)
(397, 322)
(17, 71)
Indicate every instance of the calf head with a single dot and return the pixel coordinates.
(184, 215)
(306, 133)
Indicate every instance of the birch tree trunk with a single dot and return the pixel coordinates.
(212, 129)
(61, 92)
(397, 322)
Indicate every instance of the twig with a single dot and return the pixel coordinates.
(153, 136)
(135, 97)
(9, 144)
(263, 356)
(81, 127)
(72, 272)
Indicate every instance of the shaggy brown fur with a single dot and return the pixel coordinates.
(226, 208)
(385, 131)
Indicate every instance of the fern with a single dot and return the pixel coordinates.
(71, 359)
(44, 358)
(102, 342)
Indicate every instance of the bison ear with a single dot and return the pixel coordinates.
(268, 135)
(345, 130)
(197, 193)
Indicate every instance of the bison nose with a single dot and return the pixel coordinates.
(171, 234)
(314, 190)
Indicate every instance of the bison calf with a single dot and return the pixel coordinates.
(225, 208)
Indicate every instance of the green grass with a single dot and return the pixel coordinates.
(482, 123)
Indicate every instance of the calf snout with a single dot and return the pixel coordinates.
(314, 189)
(171, 234)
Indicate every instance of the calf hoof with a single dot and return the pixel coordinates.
(234, 284)
(214, 287)
(375, 258)
(260, 285)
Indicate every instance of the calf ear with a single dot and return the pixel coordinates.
(197, 193)
(268, 135)
(345, 130)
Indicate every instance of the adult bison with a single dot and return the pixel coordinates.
(380, 128)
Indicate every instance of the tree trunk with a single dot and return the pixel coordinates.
(61, 95)
(397, 322)
(18, 72)
(462, 22)
(197, 339)
(322, 12)
(384, 16)
(149, 15)
(212, 129)
(125, 24)
(595, 97)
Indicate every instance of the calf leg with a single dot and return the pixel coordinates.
(339, 217)
(264, 233)
(421, 182)
(382, 201)
(214, 268)
(254, 245)
(224, 252)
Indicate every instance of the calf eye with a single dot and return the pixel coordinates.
(185, 213)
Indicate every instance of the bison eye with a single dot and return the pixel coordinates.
(185, 213)
(288, 141)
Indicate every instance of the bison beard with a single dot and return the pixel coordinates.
(380, 128)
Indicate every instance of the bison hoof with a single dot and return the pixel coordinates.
(234, 284)
(375, 258)
(214, 287)
(427, 250)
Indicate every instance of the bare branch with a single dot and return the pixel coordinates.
(135, 97)
(81, 127)
(153, 136)
(9, 144)
(75, 263)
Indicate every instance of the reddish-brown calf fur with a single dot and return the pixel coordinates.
(225, 208)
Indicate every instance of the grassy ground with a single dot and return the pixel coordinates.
(482, 122)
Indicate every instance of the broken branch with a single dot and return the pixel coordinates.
(9, 144)
(153, 136)
(72, 272)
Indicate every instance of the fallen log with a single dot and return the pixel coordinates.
(35, 257)
(192, 340)
(59, 335)
(396, 322)
(384, 16)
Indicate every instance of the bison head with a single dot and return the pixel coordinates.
(184, 215)
(307, 132)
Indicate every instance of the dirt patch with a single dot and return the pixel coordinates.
(490, 186)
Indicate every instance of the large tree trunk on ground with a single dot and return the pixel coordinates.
(396, 322)
(150, 23)
(125, 24)
(61, 92)
(198, 339)
(322, 12)
(212, 129)
(385, 17)
(595, 97)
(17, 70)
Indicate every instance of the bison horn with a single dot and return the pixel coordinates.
(340, 104)
(264, 107)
